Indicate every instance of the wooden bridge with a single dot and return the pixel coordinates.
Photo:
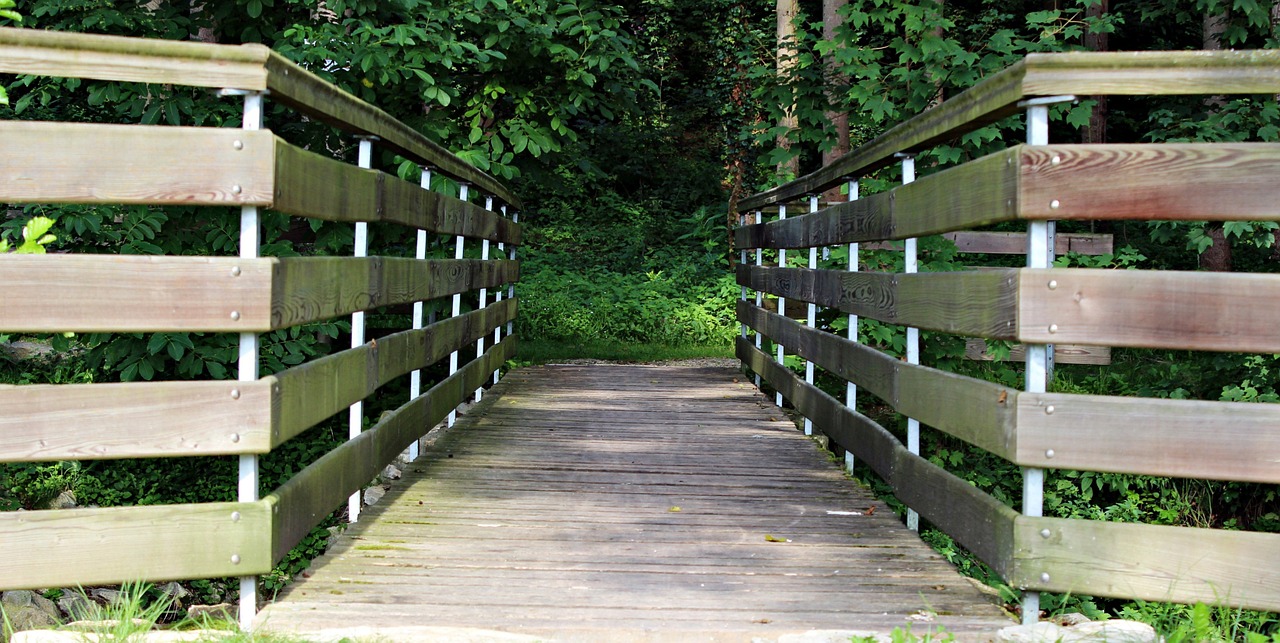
(580, 502)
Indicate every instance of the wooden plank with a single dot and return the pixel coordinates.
(317, 187)
(295, 86)
(978, 412)
(83, 293)
(1179, 181)
(979, 303)
(1148, 562)
(169, 62)
(309, 393)
(314, 492)
(1174, 438)
(80, 163)
(124, 544)
(976, 520)
(1015, 243)
(1167, 309)
(976, 349)
(309, 289)
(1078, 73)
(134, 420)
(930, 205)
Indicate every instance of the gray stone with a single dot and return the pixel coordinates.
(1090, 632)
(373, 494)
(76, 607)
(221, 611)
(65, 500)
(28, 598)
(1071, 619)
(389, 473)
(19, 351)
(26, 610)
(104, 595)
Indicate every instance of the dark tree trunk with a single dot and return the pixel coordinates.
(1096, 130)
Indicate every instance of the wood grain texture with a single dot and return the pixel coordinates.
(309, 94)
(1078, 73)
(83, 293)
(1149, 562)
(1015, 243)
(1166, 309)
(976, 349)
(317, 490)
(978, 412)
(977, 193)
(1180, 181)
(538, 515)
(170, 62)
(81, 163)
(977, 521)
(309, 289)
(311, 392)
(126, 544)
(317, 187)
(134, 420)
(981, 303)
(1173, 438)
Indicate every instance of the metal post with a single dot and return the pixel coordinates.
(458, 247)
(782, 301)
(742, 261)
(247, 365)
(913, 336)
(1039, 251)
(356, 412)
(415, 377)
(812, 319)
(511, 287)
(759, 293)
(851, 389)
(497, 297)
(484, 294)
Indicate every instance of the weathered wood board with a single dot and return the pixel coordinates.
(976, 349)
(537, 516)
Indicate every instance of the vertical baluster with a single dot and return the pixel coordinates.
(484, 294)
(355, 415)
(420, 253)
(913, 335)
(782, 301)
(812, 319)
(511, 287)
(742, 261)
(1039, 249)
(851, 389)
(458, 249)
(247, 365)
(497, 298)
(759, 293)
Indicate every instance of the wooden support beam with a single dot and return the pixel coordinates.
(1015, 243)
(976, 349)
(1148, 562)
(126, 544)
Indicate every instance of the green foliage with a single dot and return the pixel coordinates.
(35, 236)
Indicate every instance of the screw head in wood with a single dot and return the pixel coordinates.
(235, 189)
(235, 559)
(239, 145)
(1045, 533)
(1049, 454)
(1048, 410)
(1044, 578)
(1056, 159)
(1053, 328)
(1053, 284)
(235, 516)
(235, 438)
(235, 271)
(235, 393)
(235, 315)
(1055, 204)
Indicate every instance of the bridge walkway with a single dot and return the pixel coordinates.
(609, 502)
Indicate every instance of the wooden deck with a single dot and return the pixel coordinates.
(628, 503)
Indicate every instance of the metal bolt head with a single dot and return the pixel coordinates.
(239, 145)
(1055, 204)
(235, 315)
(1044, 577)
(1056, 159)
(1049, 454)
(235, 393)
(1048, 410)
(235, 559)
(1045, 533)
(235, 438)
(235, 189)
(235, 516)
(1053, 328)
(235, 271)
(1053, 284)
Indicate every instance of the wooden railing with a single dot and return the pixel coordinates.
(1040, 305)
(252, 168)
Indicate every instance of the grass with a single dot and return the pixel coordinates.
(534, 351)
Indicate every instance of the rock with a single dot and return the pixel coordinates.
(65, 500)
(104, 595)
(76, 606)
(176, 592)
(19, 351)
(27, 610)
(389, 473)
(1071, 619)
(1090, 632)
(28, 598)
(221, 611)
(373, 494)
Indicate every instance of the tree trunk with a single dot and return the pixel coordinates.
(1096, 130)
(1216, 257)
(787, 10)
(836, 81)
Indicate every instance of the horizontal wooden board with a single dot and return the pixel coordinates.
(1167, 309)
(314, 492)
(970, 303)
(1180, 181)
(134, 420)
(976, 349)
(126, 293)
(315, 186)
(1148, 562)
(314, 288)
(84, 547)
(1015, 243)
(80, 163)
(1174, 438)
(311, 392)
(1077, 73)
(978, 412)
(172, 62)
(295, 86)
